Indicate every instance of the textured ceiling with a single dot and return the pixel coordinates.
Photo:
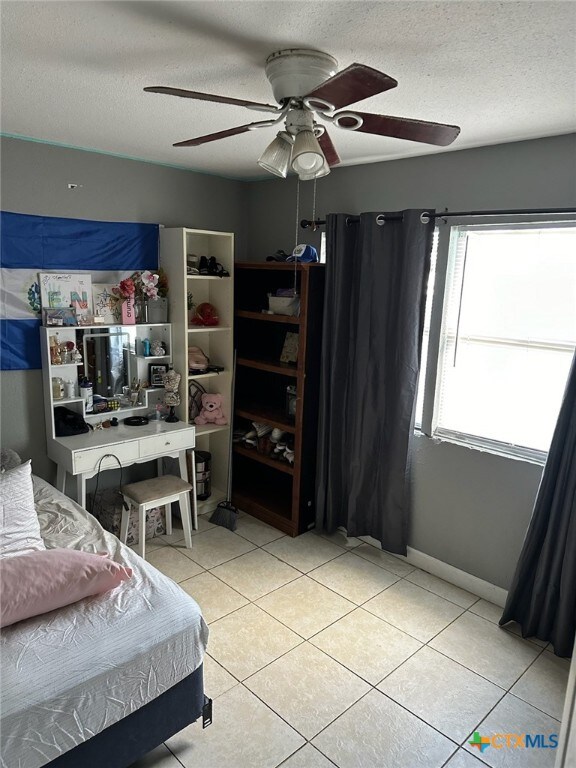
(72, 73)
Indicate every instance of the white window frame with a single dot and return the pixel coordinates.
(428, 425)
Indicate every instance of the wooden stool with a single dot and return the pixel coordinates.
(156, 492)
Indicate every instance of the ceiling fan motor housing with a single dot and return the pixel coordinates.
(295, 72)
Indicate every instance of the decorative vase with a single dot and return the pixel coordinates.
(142, 310)
(171, 418)
(158, 310)
(128, 311)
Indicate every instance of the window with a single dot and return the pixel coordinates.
(507, 338)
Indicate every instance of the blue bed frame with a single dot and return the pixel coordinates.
(124, 742)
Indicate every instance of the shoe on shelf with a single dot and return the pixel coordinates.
(215, 269)
(203, 266)
(279, 450)
(261, 429)
(277, 435)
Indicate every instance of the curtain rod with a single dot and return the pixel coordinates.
(425, 217)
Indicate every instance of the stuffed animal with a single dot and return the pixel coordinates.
(211, 412)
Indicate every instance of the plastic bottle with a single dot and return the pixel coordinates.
(146, 347)
(70, 388)
(57, 388)
(87, 393)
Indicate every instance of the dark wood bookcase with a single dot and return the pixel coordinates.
(272, 490)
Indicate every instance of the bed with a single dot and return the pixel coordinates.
(105, 680)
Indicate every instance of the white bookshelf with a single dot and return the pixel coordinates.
(217, 342)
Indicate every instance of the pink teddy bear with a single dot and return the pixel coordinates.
(211, 412)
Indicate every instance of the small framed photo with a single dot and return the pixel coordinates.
(156, 373)
(62, 317)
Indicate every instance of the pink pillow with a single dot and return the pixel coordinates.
(37, 582)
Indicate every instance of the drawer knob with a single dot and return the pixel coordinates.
(167, 442)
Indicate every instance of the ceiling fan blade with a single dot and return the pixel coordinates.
(214, 136)
(353, 84)
(404, 128)
(210, 97)
(328, 149)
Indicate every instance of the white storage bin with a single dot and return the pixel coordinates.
(284, 305)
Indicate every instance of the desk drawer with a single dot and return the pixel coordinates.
(161, 444)
(87, 461)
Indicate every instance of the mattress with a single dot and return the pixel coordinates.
(69, 674)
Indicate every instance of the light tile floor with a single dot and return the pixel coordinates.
(325, 651)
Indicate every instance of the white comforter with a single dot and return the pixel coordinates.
(71, 673)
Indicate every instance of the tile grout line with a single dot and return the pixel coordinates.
(307, 640)
(357, 606)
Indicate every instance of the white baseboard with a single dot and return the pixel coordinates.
(455, 576)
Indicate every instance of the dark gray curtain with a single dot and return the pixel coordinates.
(376, 280)
(542, 598)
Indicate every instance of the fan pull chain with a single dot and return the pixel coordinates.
(314, 227)
(296, 233)
(297, 212)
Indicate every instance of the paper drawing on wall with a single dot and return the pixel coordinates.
(62, 290)
(106, 304)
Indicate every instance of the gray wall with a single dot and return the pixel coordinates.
(34, 180)
(469, 508)
(527, 174)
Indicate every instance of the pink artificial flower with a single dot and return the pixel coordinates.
(126, 288)
(149, 282)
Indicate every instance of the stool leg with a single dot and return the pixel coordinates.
(185, 512)
(142, 531)
(124, 520)
(168, 518)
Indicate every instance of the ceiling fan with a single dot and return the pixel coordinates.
(307, 87)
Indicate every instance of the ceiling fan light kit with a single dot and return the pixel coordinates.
(307, 157)
(323, 171)
(276, 157)
(307, 85)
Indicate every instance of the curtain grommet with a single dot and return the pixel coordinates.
(380, 219)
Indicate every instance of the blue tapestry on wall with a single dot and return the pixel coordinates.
(32, 244)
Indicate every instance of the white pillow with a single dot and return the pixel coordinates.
(19, 526)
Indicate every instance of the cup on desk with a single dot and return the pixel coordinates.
(134, 398)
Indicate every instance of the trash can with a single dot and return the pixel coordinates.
(203, 475)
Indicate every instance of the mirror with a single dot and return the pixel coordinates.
(106, 356)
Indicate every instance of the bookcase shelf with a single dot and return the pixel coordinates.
(267, 317)
(279, 493)
(215, 341)
(253, 454)
(285, 369)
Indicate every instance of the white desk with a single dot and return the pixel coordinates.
(82, 455)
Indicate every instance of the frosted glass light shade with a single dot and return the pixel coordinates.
(307, 157)
(324, 171)
(276, 157)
